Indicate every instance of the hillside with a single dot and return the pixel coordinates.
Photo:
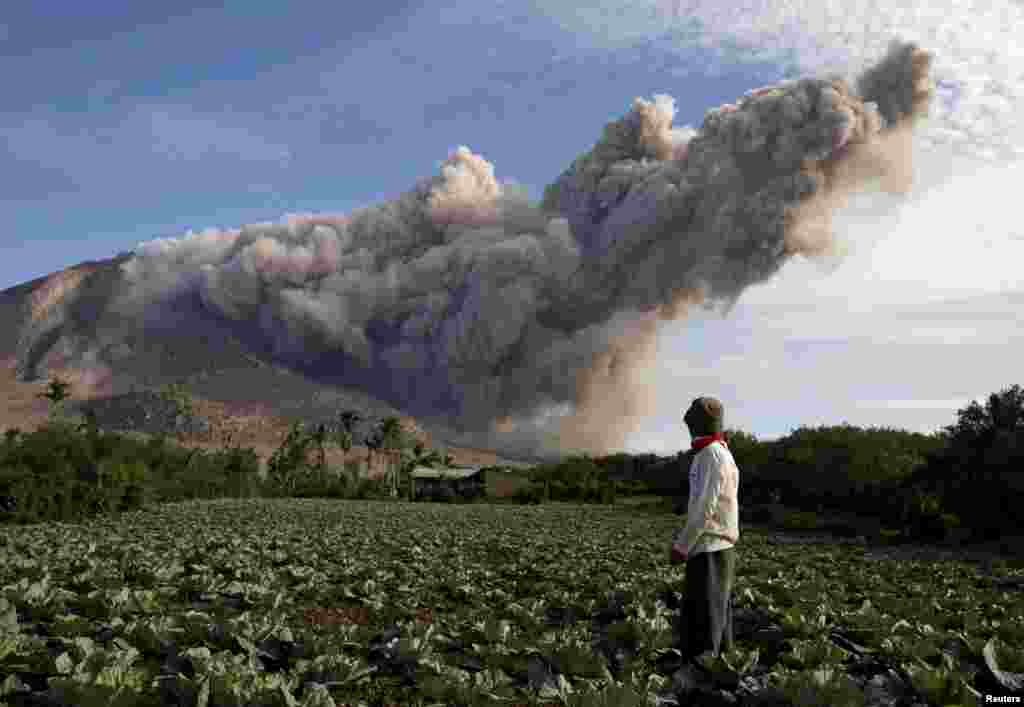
(63, 325)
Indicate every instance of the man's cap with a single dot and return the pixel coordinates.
(705, 416)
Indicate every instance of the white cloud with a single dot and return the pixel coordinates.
(920, 404)
(779, 366)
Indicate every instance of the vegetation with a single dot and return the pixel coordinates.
(292, 591)
(965, 479)
(314, 602)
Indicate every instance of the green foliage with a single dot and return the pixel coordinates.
(929, 485)
(977, 470)
(925, 516)
(391, 437)
(288, 461)
(800, 520)
(579, 478)
(823, 687)
(57, 390)
(180, 397)
(347, 421)
(827, 464)
(285, 603)
(57, 393)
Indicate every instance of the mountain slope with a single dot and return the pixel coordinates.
(65, 325)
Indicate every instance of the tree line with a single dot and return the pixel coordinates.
(966, 475)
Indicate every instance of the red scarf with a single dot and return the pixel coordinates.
(701, 442)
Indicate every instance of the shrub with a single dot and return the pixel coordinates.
(762, 515)
(371, 488)
(937, 527)
(344, 483)
(240, 468)
(842, 529)
(531, 495)
(800, 520)
(925, 517)
(889, 536)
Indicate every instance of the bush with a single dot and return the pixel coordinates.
(800, 520)
(937, 527)
(371, 488)
(530, 495)
(761, 515)
(889, 536)
(842, 529)
(925, 517)
(344, 483)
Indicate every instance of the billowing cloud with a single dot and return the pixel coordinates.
(532, 326)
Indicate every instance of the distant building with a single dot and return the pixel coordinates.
(490, 481)
(446, 483)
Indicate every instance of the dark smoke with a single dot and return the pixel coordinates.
(532, 327)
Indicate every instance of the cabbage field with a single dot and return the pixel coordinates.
(317, 603)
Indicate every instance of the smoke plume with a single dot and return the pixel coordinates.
(532, 327)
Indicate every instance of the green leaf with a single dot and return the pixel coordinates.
(64, 663)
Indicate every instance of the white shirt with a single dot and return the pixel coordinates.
(712, 513)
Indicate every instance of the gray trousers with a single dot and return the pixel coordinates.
(705, 621)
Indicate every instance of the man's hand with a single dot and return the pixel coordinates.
(677, 555)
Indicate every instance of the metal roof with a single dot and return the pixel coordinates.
(425, 472)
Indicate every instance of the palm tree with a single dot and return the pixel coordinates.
(56, 393)
(373, 444)
(347, 420)
(420, 456)
(345, 436)
(393, 438)
(319, 437)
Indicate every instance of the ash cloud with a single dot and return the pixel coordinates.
(531, 327)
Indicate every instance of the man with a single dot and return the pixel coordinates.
(706, 543)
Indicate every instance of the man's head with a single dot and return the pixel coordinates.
(705, 417)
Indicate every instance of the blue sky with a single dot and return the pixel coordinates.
(125, 123)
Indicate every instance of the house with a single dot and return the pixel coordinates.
(446, 483)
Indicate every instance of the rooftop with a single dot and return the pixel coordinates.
(424, 472)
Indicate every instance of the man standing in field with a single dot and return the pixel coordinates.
(706, 543)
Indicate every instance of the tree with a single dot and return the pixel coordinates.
(392, 438)
(347, 421)
(979, 430)
(976, 471)
(319, 438)
(422, 456)
(373, 444)
(288, 459)
(418, 456)
(90, 427)
(177, 395)
(56, 392)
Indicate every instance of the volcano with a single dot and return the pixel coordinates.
(492, 320)
(238, 387)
